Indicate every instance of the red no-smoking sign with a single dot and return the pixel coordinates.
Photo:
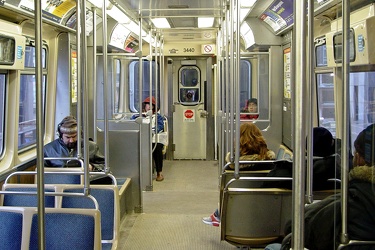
(207, 48)
(189, 115)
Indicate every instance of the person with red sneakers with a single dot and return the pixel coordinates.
(253, 147)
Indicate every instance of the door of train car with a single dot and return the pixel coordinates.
(189, 116)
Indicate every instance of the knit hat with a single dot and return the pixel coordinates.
(67, 126)
(364, 144)
(322, 142)
(252, 100)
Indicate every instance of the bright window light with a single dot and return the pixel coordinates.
(247, 3)
(118, 15)
(99, 3)
(205, 22)
(160, 23)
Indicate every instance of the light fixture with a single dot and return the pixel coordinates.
(160, 23)
(117, 14)
(99, 3)
(247, 34)
(205, 22)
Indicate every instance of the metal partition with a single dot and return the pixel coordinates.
(124, 147)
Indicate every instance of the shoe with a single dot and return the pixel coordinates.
(159, 178)
(212, 220)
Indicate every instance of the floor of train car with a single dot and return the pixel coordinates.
(173, 211)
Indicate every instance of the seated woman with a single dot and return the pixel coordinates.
(253, 147)
(251, 108)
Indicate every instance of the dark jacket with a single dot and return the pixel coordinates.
(253, 157)
(324, 169)
(57, 148)
(323, 219)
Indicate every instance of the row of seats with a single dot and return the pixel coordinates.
(65, 228)
(62, 196)
(251, 215)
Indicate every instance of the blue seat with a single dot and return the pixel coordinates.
(26, 200)
(68, 229)
(107, 198)
(10, 229)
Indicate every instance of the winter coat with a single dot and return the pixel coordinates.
(253, 157)
(57, 148)
(323, 218)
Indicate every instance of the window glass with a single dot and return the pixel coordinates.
(117, 87)
(2, 113)
(321, 56)
(134, 83)
(30, 57)
(362, 101)
(27, 102)
(189, 85)
(7, 49)
(326, 102)
(27, 111)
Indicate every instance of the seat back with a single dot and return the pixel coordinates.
(108, 200)
(63, 175)
(11, 226)
(64, 228)
(68, 229)
(254, 216)
(25, 200)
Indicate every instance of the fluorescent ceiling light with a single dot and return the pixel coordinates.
(160, 23)
(99, 3)
(247, 3)
(243, 14)
(118, 15)
(205, 22)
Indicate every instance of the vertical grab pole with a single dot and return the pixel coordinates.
(346, 117)
(299, 83)
(94, 67)
(82, 59)
(231, 82)
(236, 92)
(310, 93)
(39, 124)
(105, 86)
(228, 137)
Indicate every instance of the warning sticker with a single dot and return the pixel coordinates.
(189, 115)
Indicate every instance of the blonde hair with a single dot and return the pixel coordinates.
(252, 141)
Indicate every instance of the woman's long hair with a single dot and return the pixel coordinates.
(252, 141)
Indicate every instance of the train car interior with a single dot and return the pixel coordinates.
(187, 124)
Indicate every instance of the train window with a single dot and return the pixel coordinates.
(30, 57)
(27, 112)
(246, 90)
(2, 113)
(27, 102)
(189, 85)
(337, 44)
(326, 102)
(7, 45)
(117, 94)
(134, 83)
(362, 101)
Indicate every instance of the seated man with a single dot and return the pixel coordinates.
(66, 146)
(326, 164)
(323, 219)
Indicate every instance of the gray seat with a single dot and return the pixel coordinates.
(254, 217)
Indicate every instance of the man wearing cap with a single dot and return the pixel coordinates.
(66, 146)
(323, 219)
